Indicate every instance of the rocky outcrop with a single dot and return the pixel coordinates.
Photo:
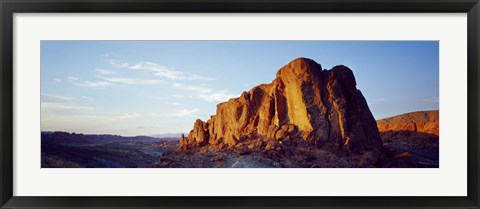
(425, 122)
(321, 107)
(183, 143)
(416, 133)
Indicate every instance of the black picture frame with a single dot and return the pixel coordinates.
(10, 7)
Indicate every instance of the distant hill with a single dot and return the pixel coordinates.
(168, 135)
(414, 132)
(79, 138)
(419, 116)
(422, 121)
(77, 150)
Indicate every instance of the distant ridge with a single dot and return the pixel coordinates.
(421, 121)
(168, 135)
(414, 132)
(417, 116)
(80, 138)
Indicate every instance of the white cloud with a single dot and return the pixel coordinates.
(89, 84)
(105, 72)
(176, 103)
(161, 71)
(167, 72)
(133, 81)
(67, 106)
(183, 113)
(107, 55)
(115, 63)
(431, 100)
(72, 78)
(154, 114)
(93, 84)
(206, 93)
(57, 79)
(219, 96)
(66, 98)
(57, 97)
(201, 91)
(130, 115)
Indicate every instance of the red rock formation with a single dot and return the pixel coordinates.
(425, 122)
(183, 143)
(322, 107)
(416, 133)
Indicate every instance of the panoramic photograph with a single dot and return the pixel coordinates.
(239, 104)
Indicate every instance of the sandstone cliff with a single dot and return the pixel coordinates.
(321, 107)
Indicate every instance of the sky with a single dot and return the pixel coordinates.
(155, 87)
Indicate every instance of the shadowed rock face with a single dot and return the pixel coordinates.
(322, 107)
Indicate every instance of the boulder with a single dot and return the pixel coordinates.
(271, 145)
(280, 135)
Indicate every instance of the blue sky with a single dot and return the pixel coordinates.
(156, 87)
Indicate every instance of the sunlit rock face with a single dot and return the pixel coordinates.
(424, 122)
(322, 107)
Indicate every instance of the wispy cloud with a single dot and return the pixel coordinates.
(219, 96)
(431, 100)
(106, 79)
(72, 78)
(183, 113)
(131, 115)
(64, 98)
(57, 97)
(167, 72)
(206, 93)
(159, 70)
(93, 84)
(171, 76)
(57, 80)
(132, 81)
(153, 114)
(104, 72)
(107, 55)
(88, 84)
(118, 64)
(59, 105)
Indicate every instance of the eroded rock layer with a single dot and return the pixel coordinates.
(322, 107)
